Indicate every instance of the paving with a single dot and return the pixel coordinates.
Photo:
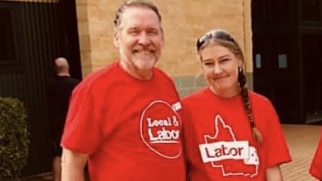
(302, 141)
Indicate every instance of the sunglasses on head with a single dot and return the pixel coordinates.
(214, 34)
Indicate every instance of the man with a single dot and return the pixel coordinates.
(59, 91)
(125, 119)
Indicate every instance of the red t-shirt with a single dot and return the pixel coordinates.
(130, 128)
(316, 165)
(219, 141)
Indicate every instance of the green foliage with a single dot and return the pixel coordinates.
(14, 138)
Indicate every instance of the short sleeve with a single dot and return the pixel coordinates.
(316, 165)
(82, 130)
(274, 142)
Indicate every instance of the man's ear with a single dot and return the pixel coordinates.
(116, 40)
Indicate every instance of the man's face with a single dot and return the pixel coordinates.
(139, 39)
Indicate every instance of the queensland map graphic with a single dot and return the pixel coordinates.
(223, 151)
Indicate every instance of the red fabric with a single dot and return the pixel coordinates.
(316, 165)
(127, 126)
(219, 141)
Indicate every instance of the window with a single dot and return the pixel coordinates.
(7, 43)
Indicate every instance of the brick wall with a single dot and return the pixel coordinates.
(183, 21)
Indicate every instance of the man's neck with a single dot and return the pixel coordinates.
(136, 73)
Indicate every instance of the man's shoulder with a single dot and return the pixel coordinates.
(104, 74)
(162, 74)
(158, 70)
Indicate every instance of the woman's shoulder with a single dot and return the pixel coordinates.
(259, 99)
(198, 95)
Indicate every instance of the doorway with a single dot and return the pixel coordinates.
(312, 68)
(33, 33)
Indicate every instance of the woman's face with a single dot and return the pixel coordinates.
(220, 68)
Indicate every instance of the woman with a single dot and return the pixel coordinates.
(231, 133)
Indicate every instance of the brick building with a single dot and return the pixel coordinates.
(183, 22)
(34, 32)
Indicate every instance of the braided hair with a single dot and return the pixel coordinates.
(247, 104)
(223, 38)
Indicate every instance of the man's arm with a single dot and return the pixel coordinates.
(73, 164)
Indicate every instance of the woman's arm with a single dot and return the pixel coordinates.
(274, 174)
(73, 164)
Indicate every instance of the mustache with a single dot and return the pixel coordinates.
(144, 49)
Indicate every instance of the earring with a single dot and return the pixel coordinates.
(240, 70)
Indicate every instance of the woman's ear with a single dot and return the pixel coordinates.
(240, 63)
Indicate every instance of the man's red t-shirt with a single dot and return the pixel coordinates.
(130, 128)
